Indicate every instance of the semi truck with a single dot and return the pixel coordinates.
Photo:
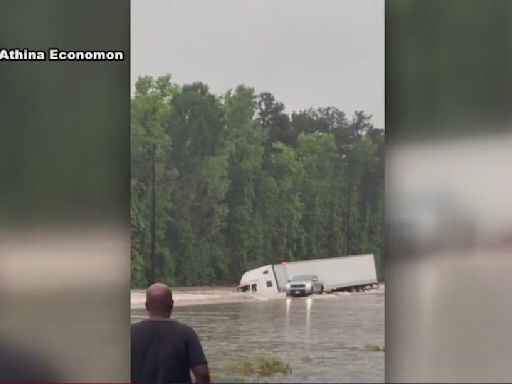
(354, 273)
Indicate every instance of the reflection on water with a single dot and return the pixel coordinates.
(321, 339)
(309, 302)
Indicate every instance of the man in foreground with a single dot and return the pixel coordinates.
(165, 350)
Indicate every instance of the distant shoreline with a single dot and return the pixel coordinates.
(190, 296)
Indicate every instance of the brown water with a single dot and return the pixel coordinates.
(323, 339)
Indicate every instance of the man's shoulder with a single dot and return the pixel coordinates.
(138, 324)
(183, 327)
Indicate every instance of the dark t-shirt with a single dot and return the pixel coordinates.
(164, 351)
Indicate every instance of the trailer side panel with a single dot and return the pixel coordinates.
(337, 272)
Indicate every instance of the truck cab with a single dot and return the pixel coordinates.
(259, 280)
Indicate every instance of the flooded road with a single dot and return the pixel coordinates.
(318, 339)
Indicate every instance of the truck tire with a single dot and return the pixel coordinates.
(321, 289)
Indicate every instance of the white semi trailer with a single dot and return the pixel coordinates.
(346, 272)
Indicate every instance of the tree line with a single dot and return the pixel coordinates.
(222, 184)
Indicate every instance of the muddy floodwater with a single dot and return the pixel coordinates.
(318, 339)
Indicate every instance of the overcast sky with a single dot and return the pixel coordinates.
(308, 53)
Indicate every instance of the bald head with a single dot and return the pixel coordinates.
(159, 300)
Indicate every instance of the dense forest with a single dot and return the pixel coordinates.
(222, 184)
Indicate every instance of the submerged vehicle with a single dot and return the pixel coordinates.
(354, 273)
(303, 285)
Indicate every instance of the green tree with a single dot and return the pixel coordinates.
(198, 214)
(244, 233)
(272, 118)
(319, 157)
(244, 185)
(287, 171)
(151, 178)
